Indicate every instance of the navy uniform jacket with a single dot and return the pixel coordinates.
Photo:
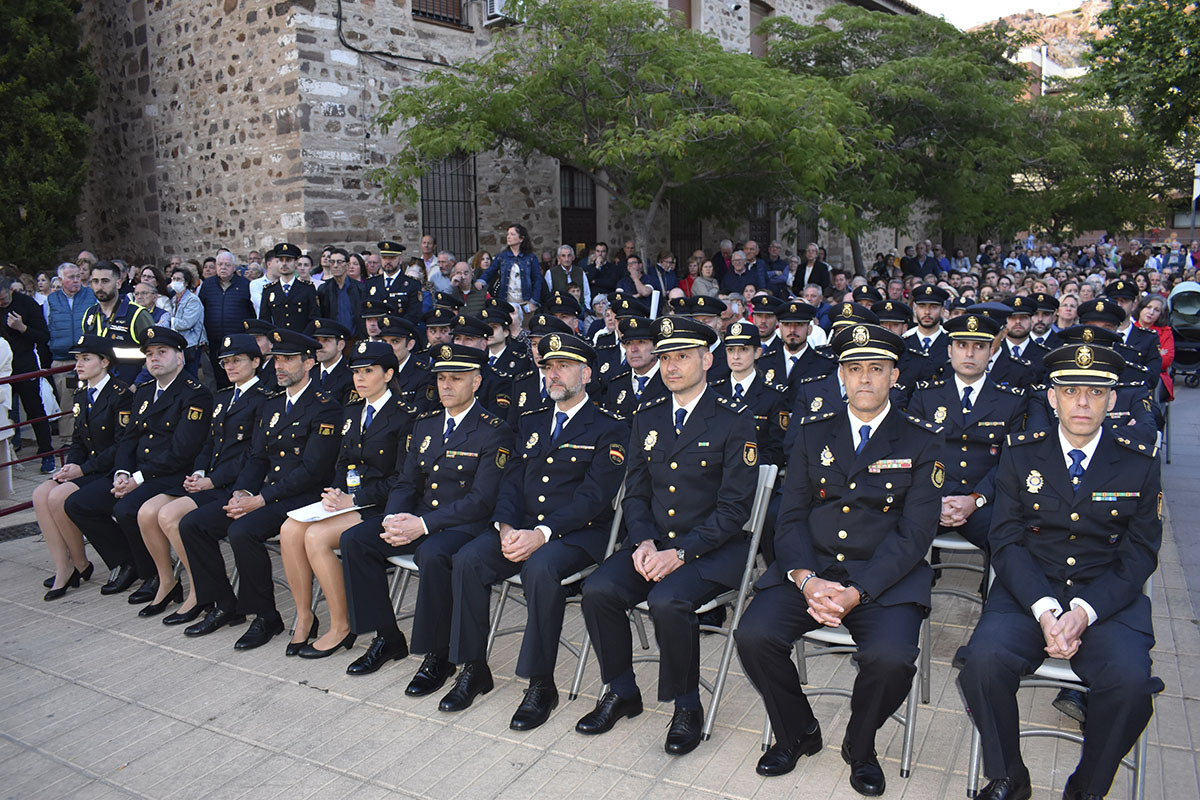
(915, 366)
(1145, 343)
(813, 363)
(228, 444)
(866, 520)
(720, 364)
(163, 437)
(338, 384)
(416, 385)
(1133, 405)
(495, 392)
(939, 348)
(453, 484)
(768, 403)
(1008, 371)
(818, 394)
(693, 491)
(293, 454)
(292, 310)
(1099, 543)
(96, 430)
(378, 453)
(973, 441)
(404, 294)
(266, 374)
(512, 361)
(619, 397)
(567, 484)
(527, 396)
(1032, 352)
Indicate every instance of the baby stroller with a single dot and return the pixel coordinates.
(1184, 319)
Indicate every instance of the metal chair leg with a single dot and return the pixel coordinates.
(910, 727)
(924, 664)
(973, 764)
(766, 742)
(584, 647)
(641, 629)
(491, 640)
(398, 597)
(719, 688)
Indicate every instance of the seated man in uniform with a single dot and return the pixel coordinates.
(552, 519)
(444, 498)
(1075, 535)
(692, 474)
(860, 508)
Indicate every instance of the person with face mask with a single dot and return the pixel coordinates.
(187, 316)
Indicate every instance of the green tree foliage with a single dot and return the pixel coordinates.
(1148, 60)
(944, 108)
(46, 89)
(654, 113)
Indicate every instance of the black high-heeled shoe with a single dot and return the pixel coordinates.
(308, 651)
(85, 575)
(187, 617)
(72, 583)
(173, 596)
(294, 648)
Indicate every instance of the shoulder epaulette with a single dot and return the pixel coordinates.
(1149, 450)
(817, 417)
(606, 412)
(920, 423)
(916, 351)
(720, 381)
(1015, 390)
(612, 346)
(1022, 361)
(527, 374)
(490, 418)
(824, 352)
(733, 404)
(192, 383)
(651, 403)
(532, 411)
(323, 397)
(433, 412)
(146, 383)
(779, 387)
(1029, 437)
(813, 378)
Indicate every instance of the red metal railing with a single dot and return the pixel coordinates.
(59, 453)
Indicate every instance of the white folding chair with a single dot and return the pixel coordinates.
(953, 543)
(1056, 673)
(576, 577)
(767, 473)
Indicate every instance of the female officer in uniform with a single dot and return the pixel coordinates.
(374, 433)
(101, 410)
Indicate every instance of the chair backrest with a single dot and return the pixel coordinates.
(767, 474)
(615, 529)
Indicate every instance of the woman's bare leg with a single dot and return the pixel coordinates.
(168, 522)
(320, 541)
(298, 573)
(157, 543)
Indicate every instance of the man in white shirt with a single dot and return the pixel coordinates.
(270, 275)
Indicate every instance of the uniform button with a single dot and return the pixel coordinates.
(964, 448)
(541, 498)
(541, 517)
(435, 466)
(1071, 561)
(670, 534)
(460, 467)
(890, 499)
(671, 489)
(433, 503)
(670, 512)
(887, 486)
(572, 458)
(1114, 512)
(845, 509)
(853, 485)
(147, 450)
(1036, 507)
(841, 556)
(549, 459)
(964, 437)
(545, 479)
(822, 480)
(1070, 582)
(842, 534)
(962, 463)
(433, 486)
(704, 463)
(277, 468)
(674, 465)
(1074, 516)
(1072, 537)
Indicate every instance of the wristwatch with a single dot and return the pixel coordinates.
(682, 556)
(980, 500)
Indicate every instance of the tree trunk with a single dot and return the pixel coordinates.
(856, 252)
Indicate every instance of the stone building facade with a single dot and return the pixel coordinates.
(242, 123)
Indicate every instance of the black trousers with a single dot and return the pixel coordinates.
(615, 587)
(1113, 660)
(887, 639)
(364, 565)
(480, 564)
(202, 531)
(31, 400)
(111, 525)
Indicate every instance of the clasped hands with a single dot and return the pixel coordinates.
(956, 509)
(402, 529)
(1064, 633)
(242, 503)
(828, 601)
(654, 564)
(518, 544)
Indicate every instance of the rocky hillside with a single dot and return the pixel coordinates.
(1066, 33)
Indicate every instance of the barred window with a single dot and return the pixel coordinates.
(448, 209)
(450, 11)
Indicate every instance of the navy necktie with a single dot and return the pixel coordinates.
(545, 394)
(91, 399)
(370, 417)
(449, 429)
(1076, 468)
(1016, 352)
(737, 391)
(560, 419)
(286, 288)
(321, 377)
(864, 433)
(236, 394)
(925, 342)
(641, 384)
(680, 416)
(287, 407)
(967, 398)
(491, 361)
(158, 393)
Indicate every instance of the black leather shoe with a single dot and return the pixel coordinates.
(609, 708)
(294, 648)
(1007, 788)
(213, 620)
(687, 725)
(430, 677)
(1072, 792)
(261, 631)
(182, 617)
(781, 757)
(714, 618)
(473, 680)
(379, 652)
(145, 593)
(120, 581)
(72, 583)
(173, 596)
(1073, 703)
(309, 651)
(85, 575)
(540, 699)
(866, 776)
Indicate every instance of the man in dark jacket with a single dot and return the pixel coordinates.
(24, 328)
(339, 296)
(226, 300)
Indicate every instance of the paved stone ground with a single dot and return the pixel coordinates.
(97, 703)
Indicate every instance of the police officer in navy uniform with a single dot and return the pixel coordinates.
(167, 428)
(1075, 535)
(261, 331)
(552, 519)
(444, 498)
(504, 357)
(768, 402)
(1018, 329)
(928, 335)
(495, 391)
(1003, 368)
(392, 286)
(797, 359)
(1043, 319)
(639, 382)
(976, 415)
(914, 365)
(1132, 414)
(530, 391)
(766, 319)
(860, 508)
(372, 312)
(1145, 343)
(693, 463)
(289, 302)
(610, 353)
(413, 381)
(332, 370)
(291, 459)
(708, 311)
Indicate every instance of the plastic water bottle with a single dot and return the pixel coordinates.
(353, 479)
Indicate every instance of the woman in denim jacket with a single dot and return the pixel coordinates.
(515, 274)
